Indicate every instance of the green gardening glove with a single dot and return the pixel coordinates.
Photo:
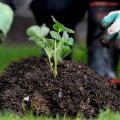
(111, 24)
(6, 18)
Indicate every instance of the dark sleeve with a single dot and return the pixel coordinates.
(11, 3)
(68, 12)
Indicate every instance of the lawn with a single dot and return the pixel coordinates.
(10, 53)
(104, 115)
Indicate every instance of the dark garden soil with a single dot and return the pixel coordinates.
(76, 89)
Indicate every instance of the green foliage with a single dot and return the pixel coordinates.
(108, 114)
(56, 47)
(14, 52)
(60, 27)
(104, 115)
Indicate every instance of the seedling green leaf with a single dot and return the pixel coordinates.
(68, 30)
(66, 50)
(60, 27)
(55, 21)
(56, 47)
(38, 31)
(55, 35)
(67, 40)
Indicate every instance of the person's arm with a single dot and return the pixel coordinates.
(6, 18)
(111, 25)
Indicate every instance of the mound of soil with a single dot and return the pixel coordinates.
(76, 89)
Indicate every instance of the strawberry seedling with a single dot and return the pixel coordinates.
(57, 47)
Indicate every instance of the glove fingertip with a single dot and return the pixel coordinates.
(105, 23)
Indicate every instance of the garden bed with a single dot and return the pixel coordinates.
(76, 89)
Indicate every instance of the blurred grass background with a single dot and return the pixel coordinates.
(16, 51)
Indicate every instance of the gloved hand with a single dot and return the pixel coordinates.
(6, 18)
(111, 25)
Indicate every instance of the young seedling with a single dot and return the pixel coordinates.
(57, 47)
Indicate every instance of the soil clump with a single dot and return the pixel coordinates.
(77, 88)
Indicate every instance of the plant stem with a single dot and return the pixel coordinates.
(50, 64)
(49, 60)
(55, 60)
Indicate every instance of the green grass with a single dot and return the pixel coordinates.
(10, 53)
(104, 115)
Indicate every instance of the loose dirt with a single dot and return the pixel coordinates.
(76, 89)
